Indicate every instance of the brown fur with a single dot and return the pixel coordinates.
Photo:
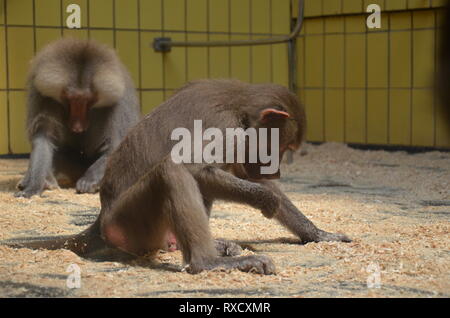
(144, 194)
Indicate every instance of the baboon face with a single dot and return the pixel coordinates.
(79, 74)
(78, 101)
(268, 118)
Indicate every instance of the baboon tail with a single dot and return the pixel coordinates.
(81, 244)
(87, 244)
(70, 242)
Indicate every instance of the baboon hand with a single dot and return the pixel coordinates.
(48, 185)
(324, 236)
(22, 184)
(27, 193)
(87, 185)
(26, 189)
(258, 264)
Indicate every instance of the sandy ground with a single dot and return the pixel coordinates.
(395, 206)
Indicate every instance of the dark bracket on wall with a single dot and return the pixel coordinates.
(165, 44)
(162, 45)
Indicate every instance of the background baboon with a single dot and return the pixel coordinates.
(81, 103)
(145, 195)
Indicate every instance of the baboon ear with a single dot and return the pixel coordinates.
(270, 114)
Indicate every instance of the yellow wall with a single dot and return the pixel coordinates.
(130, 26)
(371, 86)
(358, 85)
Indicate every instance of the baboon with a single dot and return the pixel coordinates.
(145, 195)
(81, 103)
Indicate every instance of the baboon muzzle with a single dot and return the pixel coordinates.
(78, 115)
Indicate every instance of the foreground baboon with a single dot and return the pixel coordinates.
(81, 104)
(145, 195)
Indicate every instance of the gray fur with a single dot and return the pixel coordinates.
(86, 66)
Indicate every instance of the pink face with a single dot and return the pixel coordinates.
(79, 101)
(267, 116)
